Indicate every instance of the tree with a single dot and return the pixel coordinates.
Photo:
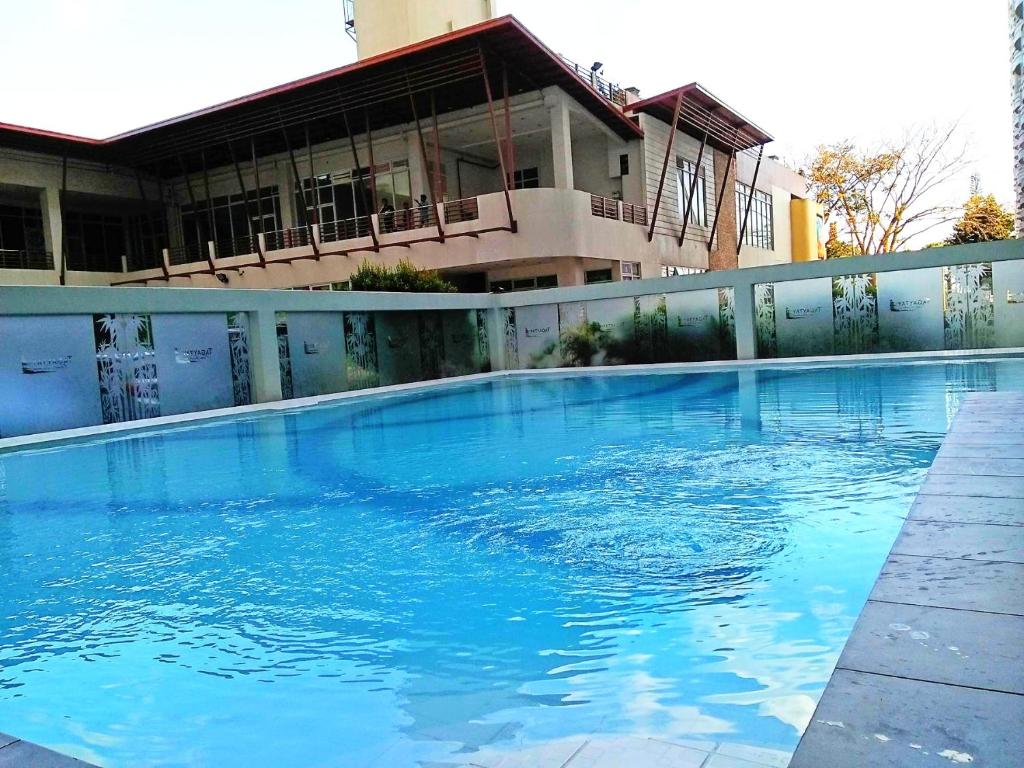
(403, 277)
(835, 248)
(882, 198)
(983, 219)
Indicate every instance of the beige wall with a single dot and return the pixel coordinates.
(384, 25)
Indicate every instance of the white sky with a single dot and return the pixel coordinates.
(808, 71)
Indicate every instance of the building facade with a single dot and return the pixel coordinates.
(1017, 99)
(479, 153)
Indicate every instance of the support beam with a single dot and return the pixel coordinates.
(750, 200)
(209, 213)
(373, 166)
(672, 129)
(362, 184)
(148, 216)
(254, 241)
(512, 223)
(298, 185)
(200, 242)
(510, 149)
(697, 171)
(721, 198)
(63, 219)
(423, 154)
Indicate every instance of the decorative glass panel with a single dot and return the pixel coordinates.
(693, 325)
(855, 314)
(617, 321)
(284, 357)
(361, 350)
(241, 367)
(126, 364)
(969, 306)
(764, 320)
(194, 360)
(398, 347)
(511, 338)
(803, 317)
(316, 343)
(461, 341)
(910, 310)
(483, 345)
(1008, 289)
(48, 374)
(431, 345)
(537, 336)
(727, 323)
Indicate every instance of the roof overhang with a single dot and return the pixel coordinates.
(444, 73)
(700, 112)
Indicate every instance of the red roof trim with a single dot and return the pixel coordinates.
(50, 134)
(668, 98)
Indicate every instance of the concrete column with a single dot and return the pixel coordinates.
(266, 368)
(561, 142)
(49, 204)
(746, 329)
(496, 338)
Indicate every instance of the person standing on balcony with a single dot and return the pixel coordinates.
(423, 207)
(387, 217)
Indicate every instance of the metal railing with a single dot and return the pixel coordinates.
(604, 207)
(237, 246)
(26, 259)
(346, 229)
(407, 219)
(611, 91)
(186, 254)
(295, 237)
(138, 262)
(634, 214)
(467, 209)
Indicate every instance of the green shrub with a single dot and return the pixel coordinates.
(404, 277)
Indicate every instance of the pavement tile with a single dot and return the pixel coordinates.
(874, 721)
(980, 650)
(23, 754)
(999, 467)
(968, 509)
(970, 541)
(973, 585)
(972, 485)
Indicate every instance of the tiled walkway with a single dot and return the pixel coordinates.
(933, 674)
(15, 753)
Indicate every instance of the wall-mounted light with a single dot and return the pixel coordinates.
(222, 277)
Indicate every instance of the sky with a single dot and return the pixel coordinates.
(809, 72)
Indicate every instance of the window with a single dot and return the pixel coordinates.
(669, 270)
(623, 165)
(344, 195)
(685, 171)
(95, 241)
(21, 229)
(229, 221)
(597, 276)
(630, 270)
(524, 283)
(760, 231)
(526, 178)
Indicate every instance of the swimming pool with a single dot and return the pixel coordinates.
(452, 575)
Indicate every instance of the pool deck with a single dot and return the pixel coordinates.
(933, 673)
(15, 753)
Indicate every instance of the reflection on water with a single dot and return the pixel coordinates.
(481, 568)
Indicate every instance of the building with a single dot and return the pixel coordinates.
(479, 152)
(1017, 99)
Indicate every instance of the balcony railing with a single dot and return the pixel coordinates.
(237, 246)
(467, 209)
(610, 91)
(186, 254)
(407, 219)
(604, 207)
(288, 238)
(634, 214)
(27, 259)
(346, 229)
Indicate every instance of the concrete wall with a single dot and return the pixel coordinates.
(384, 25)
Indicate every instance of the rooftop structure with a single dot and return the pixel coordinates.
(1017, 75)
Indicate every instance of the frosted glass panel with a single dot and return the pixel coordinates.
(1008, 290)
(461, 342)
(316, 346)
(693, 325)
(537, 336)
(617, 318)
(48, 377)
(194, 362)
(803, 317)
(910, 310)
(968, 301)
(361, 350)
(398, 347)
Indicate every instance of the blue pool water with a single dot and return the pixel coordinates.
(450, 575)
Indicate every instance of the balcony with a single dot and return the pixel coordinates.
(26, 259)
(551, 224)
